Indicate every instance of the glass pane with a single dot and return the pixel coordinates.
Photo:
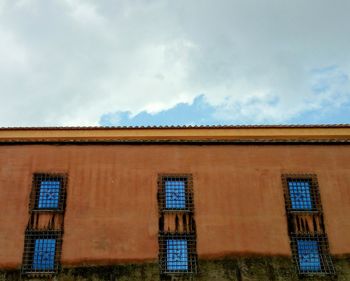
(309, 258)
(175, 197)
(44, 254)
(177, 258)
(300, 195)
(49, 194)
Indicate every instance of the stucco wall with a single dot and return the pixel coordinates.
(228, 269)
(112, 215)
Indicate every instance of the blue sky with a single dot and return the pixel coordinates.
(329, 104)
(158, 62)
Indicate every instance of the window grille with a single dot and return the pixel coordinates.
(177, 253)
(311, 253)
(42, 251)
(48, 193)
(43, 236)
(175, 197)
(301, 193)
(306, 228)
(44, 254)
(175, 193)
(177, 230)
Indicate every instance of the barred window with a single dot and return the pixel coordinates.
(306, 227)
(44, 254)
(175, 193)
(177, 253)
(177, 229)
(42, 250)
(175, 197)
(48, 192)
(308, 255)
(311, 253)
(300, 195)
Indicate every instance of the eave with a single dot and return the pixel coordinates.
(301, 133)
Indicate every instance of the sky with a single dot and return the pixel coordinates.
(159, 62)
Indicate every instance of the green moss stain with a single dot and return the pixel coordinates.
(230, 269)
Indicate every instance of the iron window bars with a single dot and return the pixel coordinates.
(175, 193)
(42, 251)
(43, 242)
(177, 231)
(306, 228)
(311, 253)
(177, 253)
(301, 193)
(48, 193)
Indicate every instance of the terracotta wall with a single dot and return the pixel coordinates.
(112, 214)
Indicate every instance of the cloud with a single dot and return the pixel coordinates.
(331, 91)
(199, 112)
(71, 62)
(84, 12)
(13, 54)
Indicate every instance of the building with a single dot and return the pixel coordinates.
(175, 203)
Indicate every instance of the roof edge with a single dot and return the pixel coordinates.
(203, 133)
(177, 127)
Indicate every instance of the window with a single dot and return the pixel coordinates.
(306, 227)
(48, 192)
(308, 255)
(44, 254)
(300, 195)
(177, 253)
(175, 197)
(177, 226)
(43, 236)
(41, 251)
(177, 256)
(311, 253)
(175, 193)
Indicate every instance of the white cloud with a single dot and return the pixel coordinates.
(84, 12)
(69, 62)
(14, 56)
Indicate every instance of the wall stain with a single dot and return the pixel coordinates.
(229, 269)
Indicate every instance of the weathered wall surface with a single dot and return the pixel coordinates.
(112, 214)
(237, 269)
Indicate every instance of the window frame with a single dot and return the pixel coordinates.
(326, 264)
(316, 206)
(36, 188)
(192, 258)
(174, 247)
(307, 224)
(31, 236)
(162, 178)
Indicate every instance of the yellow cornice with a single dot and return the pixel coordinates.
(291, 133)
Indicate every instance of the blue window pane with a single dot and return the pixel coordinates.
(309, 258)
(44, 254)
(49, 194)
(175, 197)
(300, 195)
(177, 258)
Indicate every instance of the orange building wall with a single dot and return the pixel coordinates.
(112, 213)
